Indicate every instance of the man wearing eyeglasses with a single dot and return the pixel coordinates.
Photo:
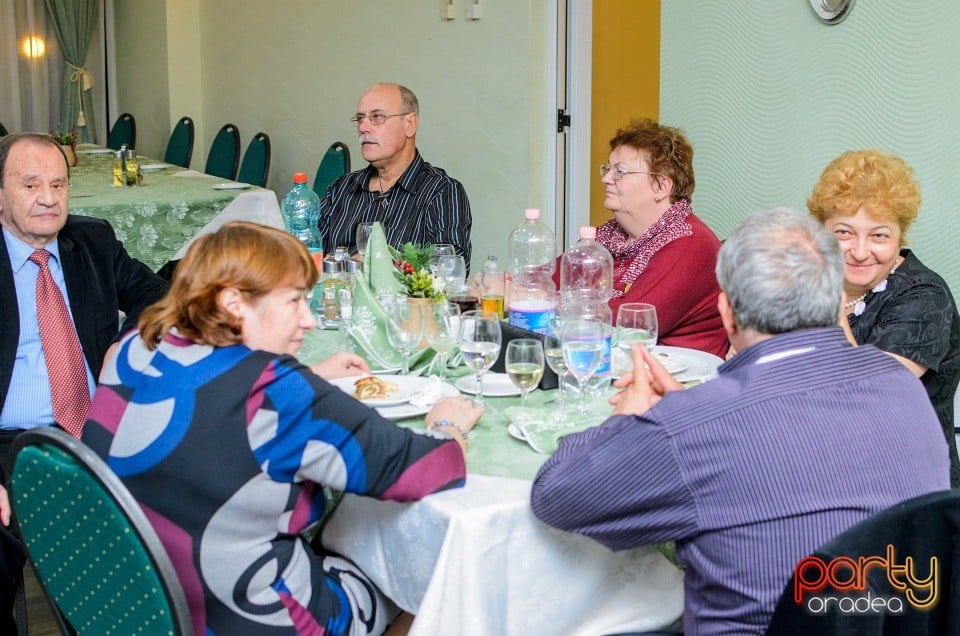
(415, 202)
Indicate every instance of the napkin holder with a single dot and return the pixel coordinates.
(510, 332)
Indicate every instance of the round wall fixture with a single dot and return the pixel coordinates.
(831, 11)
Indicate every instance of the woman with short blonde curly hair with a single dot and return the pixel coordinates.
(869, 199)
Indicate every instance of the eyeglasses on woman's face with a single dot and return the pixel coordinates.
(617, 173)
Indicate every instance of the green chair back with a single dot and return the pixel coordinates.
(3, 130)
(335, 164)
(96, 555)
(180, 145)
(124, 131)
(256, 161)
(224, 153)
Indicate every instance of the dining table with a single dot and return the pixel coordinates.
(158, 220)
(475, 560)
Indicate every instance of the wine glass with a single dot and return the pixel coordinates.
(404, 329)
(452, 270)
(479, 344)
(636, 322)
(363, 237)
(438, 250)
(582, 344)
(524, 364)
(553, 353)
(447, 334)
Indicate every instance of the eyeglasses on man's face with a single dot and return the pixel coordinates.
(377, 119)
(617, 173)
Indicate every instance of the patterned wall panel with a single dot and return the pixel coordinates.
(769, 95)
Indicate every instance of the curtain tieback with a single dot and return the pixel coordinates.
(84, 81)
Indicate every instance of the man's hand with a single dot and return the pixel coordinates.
(340, 365)
(4, 507)
(644, 386)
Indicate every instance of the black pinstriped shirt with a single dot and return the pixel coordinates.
(423, 206)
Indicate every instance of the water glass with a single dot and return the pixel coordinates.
(363, 237)
(447, 334)
(636, 322)
(479, 344)
(404, 329)
(524, 364)
(582, 344)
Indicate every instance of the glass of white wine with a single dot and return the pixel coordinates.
(363, 237)
(524, 364)
(553, 353)
(479, 344)
(582, 344)
(636, 322)
(447, 334)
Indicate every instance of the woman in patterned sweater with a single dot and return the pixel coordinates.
(225, 441)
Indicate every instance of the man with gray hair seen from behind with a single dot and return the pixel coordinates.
(416, 202)
(801, 436)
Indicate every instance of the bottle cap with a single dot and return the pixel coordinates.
(531, 214)
(588, 232)
(299, 177)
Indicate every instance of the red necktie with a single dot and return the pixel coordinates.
(61, 348)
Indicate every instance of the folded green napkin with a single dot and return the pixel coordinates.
(368, 328)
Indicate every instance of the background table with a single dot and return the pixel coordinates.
(476, 560)
(158, 220)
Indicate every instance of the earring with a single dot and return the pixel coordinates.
(658, 199)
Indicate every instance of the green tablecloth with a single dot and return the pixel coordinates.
(155, 219)
(491, 450)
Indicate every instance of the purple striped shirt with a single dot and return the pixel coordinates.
(800, 437)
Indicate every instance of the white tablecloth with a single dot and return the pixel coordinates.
(476, 561)
(256, 206)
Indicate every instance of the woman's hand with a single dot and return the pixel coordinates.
(340, 365)
(459, 411)
(644, 386)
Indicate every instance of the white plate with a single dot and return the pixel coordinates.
(410, 386)
(348, 386)
(404, 411)
(494, 385)
(96, 151)
(231, 186)
(701, 366)
(152, 167)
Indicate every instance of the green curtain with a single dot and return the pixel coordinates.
(74, 21)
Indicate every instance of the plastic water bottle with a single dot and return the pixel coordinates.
(586, 285)
(532, 249)
(301, 215)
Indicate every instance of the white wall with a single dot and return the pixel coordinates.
(769, 95)
(295, 70)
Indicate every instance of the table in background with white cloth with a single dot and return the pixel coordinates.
(477, 561)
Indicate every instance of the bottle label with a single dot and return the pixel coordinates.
(532, 315)
(317, 255)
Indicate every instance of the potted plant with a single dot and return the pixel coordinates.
(421, 286)
(68, 143)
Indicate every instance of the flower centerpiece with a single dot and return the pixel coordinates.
(412, 269)
(68, 142)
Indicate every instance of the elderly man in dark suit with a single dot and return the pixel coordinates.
(63, 280)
